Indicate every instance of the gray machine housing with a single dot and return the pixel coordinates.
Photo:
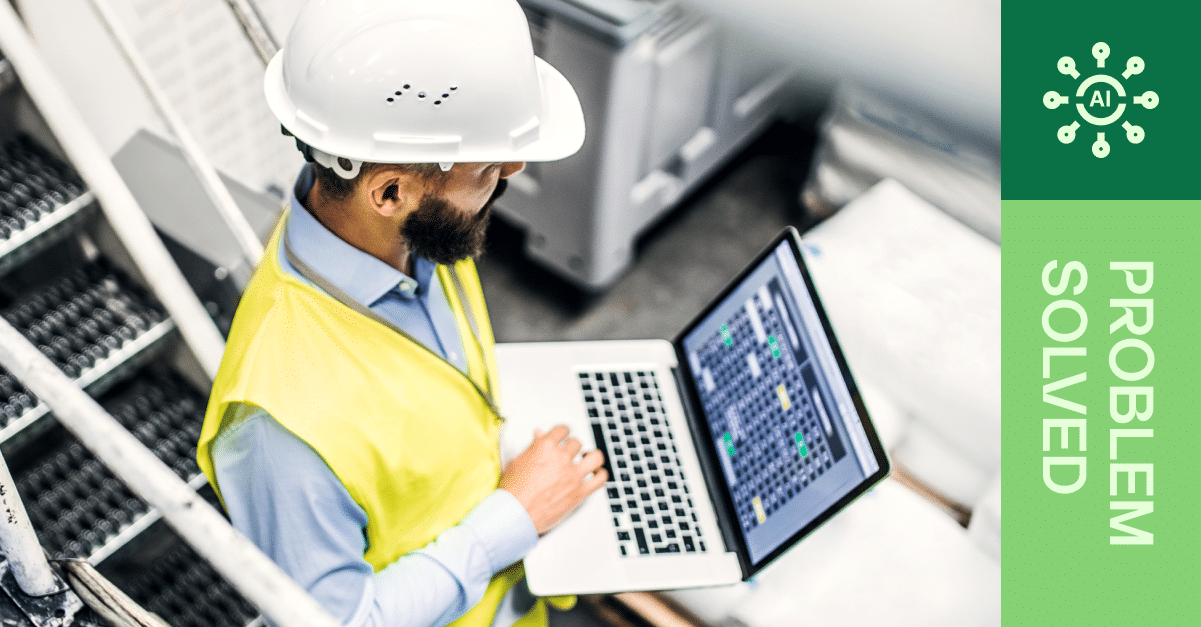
(667, 96)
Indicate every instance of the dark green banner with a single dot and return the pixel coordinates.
(1100, 313)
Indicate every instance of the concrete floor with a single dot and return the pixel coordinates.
(681, 263)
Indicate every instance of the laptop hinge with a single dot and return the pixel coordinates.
(713, 478)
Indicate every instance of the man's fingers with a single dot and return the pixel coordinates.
(558, 434)
(572, 447)
(591, 461)
(594, 484)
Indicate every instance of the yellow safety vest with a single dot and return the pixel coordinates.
(411, 437)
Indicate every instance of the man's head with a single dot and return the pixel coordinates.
(357, 84)
(441, 216)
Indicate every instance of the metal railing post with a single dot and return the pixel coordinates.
(20, 544)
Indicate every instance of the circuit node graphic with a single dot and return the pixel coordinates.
(1101, 100)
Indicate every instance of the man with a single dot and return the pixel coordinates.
(352, 431)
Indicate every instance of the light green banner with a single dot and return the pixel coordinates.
(1100, 308)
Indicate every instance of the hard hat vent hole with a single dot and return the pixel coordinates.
(437, 102)
(391, 100)
(446, 95)
(398, 93)
(454, 87)
(421, 94)
(406, 86)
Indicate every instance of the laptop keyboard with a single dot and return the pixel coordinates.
(649, 499)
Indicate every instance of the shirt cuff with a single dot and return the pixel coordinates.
(503, 528)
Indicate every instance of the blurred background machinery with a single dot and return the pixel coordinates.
(668, 96)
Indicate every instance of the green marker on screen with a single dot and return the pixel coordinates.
(800, 444)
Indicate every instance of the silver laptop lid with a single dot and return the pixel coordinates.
(779, 423)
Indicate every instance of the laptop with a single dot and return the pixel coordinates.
(725, 447)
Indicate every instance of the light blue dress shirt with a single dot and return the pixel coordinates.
(283, 496)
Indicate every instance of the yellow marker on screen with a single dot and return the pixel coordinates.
(759, 513)
(782, 392)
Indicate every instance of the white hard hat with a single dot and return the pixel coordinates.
(420, 81)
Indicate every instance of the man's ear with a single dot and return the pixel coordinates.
(388, 190)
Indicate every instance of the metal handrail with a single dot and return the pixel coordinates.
(238, 560)
(214, 187)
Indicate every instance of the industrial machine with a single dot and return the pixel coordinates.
(667, 94)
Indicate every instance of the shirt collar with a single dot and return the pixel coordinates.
(362, 276)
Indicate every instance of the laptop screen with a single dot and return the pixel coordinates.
(781, 413)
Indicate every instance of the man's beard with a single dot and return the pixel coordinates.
(443, 234)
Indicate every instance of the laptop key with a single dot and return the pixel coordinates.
(623, 535)
(642, 546)
(688, 545)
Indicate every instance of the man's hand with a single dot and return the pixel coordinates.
(548, 482)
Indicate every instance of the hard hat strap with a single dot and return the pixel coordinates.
(346, 168)
(337, 164)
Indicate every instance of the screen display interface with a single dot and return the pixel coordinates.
(779, 414)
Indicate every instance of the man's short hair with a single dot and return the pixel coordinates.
(336, 188)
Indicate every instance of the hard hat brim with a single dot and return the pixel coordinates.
(560, 133)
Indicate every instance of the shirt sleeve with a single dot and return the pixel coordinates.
(281, 494)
